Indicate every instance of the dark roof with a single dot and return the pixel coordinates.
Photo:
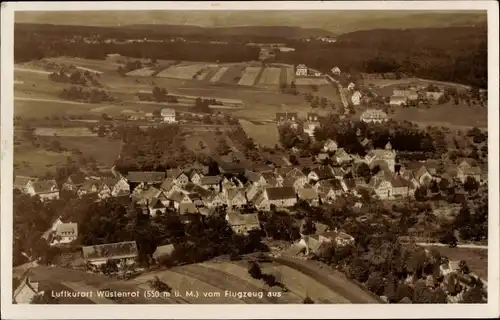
(252, 176)
(77, 178)
(238, 219)
(146, 176)
(277, 193)
(335, 184)
(324, 172)
(210, 180)
(174, 173)
(187, 208)
(45, 186)
(126, 249)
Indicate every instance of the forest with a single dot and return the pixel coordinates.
(456, 54)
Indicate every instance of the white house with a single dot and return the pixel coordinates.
(351, 86)
(329, 145)
(243, 223)
(46, 190)
(65, 233)
(124, 253)
(374, 116)
(398, 101)
(301, 70)
(168, 115)
(356, 98)
(336, 71)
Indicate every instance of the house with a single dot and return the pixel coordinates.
(145, 178)
(312, 117)
(301, 70)
(408, 94)
(243, 223)
(252, 191)
(295, 178)
(308, 194)
(117, 186)
(417, 171)
(320, 173)
(434, 95)
(178, 176)
(322, 157)
(187, 208)
(211, 183)
(329, 145)
(168, 115)
(335, 71)
(386, 156)
(281, 196)
(341, 156)
(310, 128)
(398, 101)
(260, 201)
(340, 238)
(325, 194)
(195, 176)
(351, 86)
(163, 252)
(214, 200)
(156, 206)
(23, 183)
(333, 185)
(49, 233)
(374, 116)
(74, 182)
(230, 168)
(235, 197)
(90, 186)
(356, 98)
(64, 233)
(179, 198)
(449, 267)
(45, 189)
(254, 177)
(286, 117)
(381, 187)
(26, 291)
(125, 253)
(467, 169)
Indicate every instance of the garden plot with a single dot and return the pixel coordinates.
(289, 75)
(270, 76)
(311, 81)
(216, 77)
(186, 72)
(65, 132)
(143, 72)
(249, 76)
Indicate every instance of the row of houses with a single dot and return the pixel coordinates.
(401, 97)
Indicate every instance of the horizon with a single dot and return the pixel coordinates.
(332, 21)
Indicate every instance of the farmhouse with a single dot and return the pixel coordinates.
(464, 172)
(46, 190)
(118, 186)
(156, 206)
(90, 186)
(374, 116)
(301, 70)
(398, 101)
(408, 94)
(179, 198)
(124, 253)
(356, 98)
(254, 178)
(65, 233)
(281, 196)
(312, 117)
(243, 223)
(49, 233)
(272, 178)
(235, 198)
(434, 95)
(213, 201)
(74, 182)
(168, 115)
(211, 183)
(336, 71)
(320, 173)
(187, 209)
(23, 184)
(341, 156)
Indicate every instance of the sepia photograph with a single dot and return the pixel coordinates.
(237, 153)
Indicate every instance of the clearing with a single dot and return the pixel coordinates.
(262, 133)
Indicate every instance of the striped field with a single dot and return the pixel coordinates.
(271, 76)
(249, 77)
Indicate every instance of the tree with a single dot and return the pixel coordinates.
(375, 283)
(254, 270)
(464, 268)
(307, 300)
(158, 285)
(471, 184)
(474, 295)
(364, 171)
(101, 132)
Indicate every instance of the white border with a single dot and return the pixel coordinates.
(10, 311)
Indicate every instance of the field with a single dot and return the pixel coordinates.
(184, 72)
(30, 161)
(218, 74)
(65, 132)
(233, 74)
(390, 84)
(449, 115)
(143, 72)
(477, 259)
(250, 76)
(263, 134)
(271, 76)
(311, 81)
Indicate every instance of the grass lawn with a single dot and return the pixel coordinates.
(449, 115)
(477, 259)
(263, 134)
(104, 150)
(31, 161)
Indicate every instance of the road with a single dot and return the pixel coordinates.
(466, 246)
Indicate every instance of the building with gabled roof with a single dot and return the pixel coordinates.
(374, 116)
(23, 183)
(281, 196)
(168, 115)
(45, 189)
(243, 223)
(124, 252)
(26, 291)
(308, 194)
(163, 252)
(146, 177)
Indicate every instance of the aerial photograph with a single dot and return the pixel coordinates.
(250, 157)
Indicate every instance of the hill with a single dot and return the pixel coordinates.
(331, 20)
(218, 279)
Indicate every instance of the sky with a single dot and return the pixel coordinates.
(334, 21)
